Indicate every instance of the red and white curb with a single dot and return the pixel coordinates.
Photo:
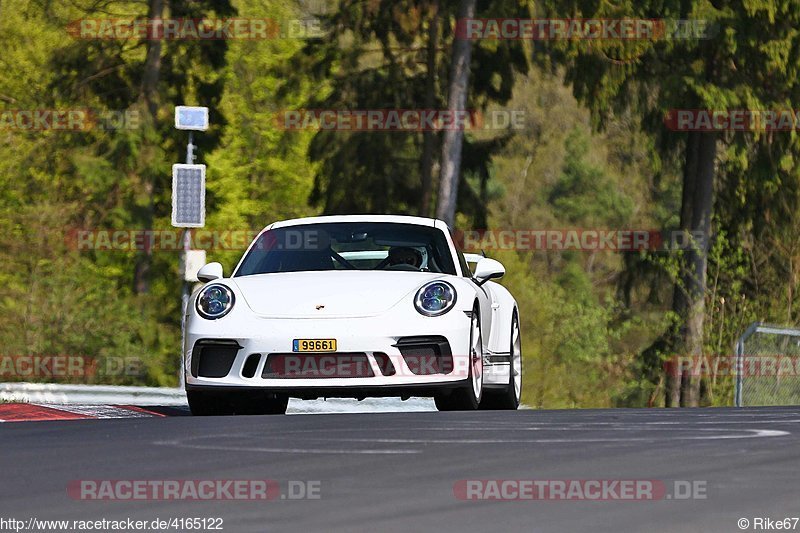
(31, 412)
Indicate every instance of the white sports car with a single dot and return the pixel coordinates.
(352, 306)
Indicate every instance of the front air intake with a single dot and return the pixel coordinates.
(427, 354)
(213, 358)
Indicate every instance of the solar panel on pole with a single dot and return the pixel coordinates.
(191, 118)
(188, 196)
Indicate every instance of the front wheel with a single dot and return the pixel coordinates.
(467, 398)
(202, 403)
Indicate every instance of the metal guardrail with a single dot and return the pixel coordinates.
(52, 393)
(90, 394)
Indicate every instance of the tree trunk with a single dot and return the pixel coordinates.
(679, 299)
(453, 138)
(689, 293)
(428, 137)
(698, 258)
(152, 63)
(149, 95)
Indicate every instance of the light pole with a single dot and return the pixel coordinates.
(188, 206)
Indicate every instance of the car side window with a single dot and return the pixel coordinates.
(465, 271)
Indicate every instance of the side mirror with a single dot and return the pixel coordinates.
(487, 269)
(210, 272)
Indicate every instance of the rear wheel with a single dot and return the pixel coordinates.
(509, 396)
(467, 398)
(203, 403)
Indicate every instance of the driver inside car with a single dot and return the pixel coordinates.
(404, 255)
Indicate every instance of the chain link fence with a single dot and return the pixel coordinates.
(767, 366)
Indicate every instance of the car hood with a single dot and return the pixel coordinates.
(329, 294)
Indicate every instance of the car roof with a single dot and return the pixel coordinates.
(399, 219)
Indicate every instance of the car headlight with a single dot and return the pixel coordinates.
(435, 298)
(214, 301)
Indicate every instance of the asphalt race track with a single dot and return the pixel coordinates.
(406, 471)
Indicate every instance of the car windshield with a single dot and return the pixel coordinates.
(349, 246)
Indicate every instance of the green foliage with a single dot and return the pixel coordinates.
(259, 173)
(584, 194)
(566, 338)
(63, 303)
(83, 303)
(578, 339)
(594, 153)
(377, 57)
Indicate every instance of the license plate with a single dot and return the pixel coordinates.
(314, 345)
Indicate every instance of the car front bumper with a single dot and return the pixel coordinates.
(254, 341)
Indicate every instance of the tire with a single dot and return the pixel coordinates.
(509, 397)
(467, 397)
(203, 403)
